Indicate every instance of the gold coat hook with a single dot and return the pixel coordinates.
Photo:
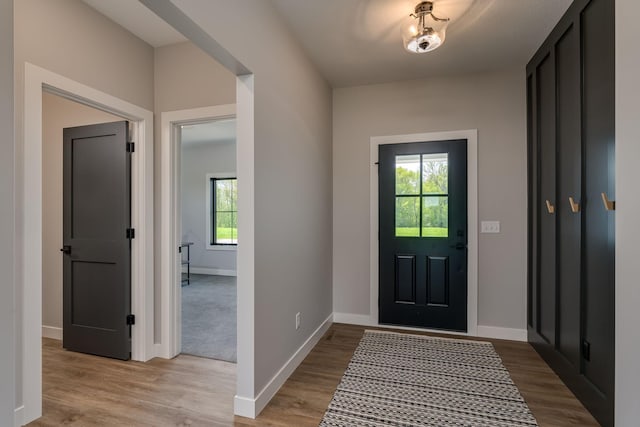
(609, 205)
(550, 207)
(575, 207)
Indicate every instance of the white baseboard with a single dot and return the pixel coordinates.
(502, 333)
(18, 416)
(212, 271)
(482, 331)
(353, 319)
(251, 408)
(158, 351)
(244, 407)
(52, 332)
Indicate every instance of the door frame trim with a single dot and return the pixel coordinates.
(472, 219)
(170, 288)
(37, 80)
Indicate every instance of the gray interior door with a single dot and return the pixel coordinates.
(96, 239)
(423, 234)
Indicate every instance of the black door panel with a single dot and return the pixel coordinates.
(423, 234)
(97, 206)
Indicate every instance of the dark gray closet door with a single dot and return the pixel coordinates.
(97, 259)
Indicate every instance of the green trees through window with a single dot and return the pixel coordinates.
(224, 197)
(422, 199)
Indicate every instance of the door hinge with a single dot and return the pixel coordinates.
(131, 319)
(131, 233)
(586, 350)
(131, 147)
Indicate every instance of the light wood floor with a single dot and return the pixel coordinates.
(83, 390)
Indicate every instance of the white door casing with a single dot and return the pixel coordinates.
(37, 80)
(472, 217)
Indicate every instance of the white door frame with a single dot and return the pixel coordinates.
(36, 81)
(171, 289)
(472, 218)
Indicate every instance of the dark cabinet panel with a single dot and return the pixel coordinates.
(547, 143)
(567, 54)
(571, 133)
(598, 123)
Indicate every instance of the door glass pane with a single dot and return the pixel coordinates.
(435, 173)
(408, 174)
(435, 216)
(407, 216)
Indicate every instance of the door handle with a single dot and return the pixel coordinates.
(550, 208)
(459, 246)
(66, 249)
(575, 207)
(609, 205)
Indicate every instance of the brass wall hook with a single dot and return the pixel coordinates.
(609, 205)
(550, 208)
(575, 207)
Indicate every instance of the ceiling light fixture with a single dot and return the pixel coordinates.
(425, 32)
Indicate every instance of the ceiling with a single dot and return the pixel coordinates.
(356, 42)
(218, 131)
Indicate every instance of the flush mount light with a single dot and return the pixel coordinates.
(424, 32)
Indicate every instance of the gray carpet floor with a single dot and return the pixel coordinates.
(209, 317)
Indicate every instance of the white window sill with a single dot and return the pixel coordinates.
(222, 248)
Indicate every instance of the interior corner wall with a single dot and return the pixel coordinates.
(57, 113)
(492, 103)
(292, 103)
(8, 350)
(198, 160)
(627, 351)
(70, 38)
(185, 77)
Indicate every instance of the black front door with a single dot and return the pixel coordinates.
(423, 234)
(97, 260)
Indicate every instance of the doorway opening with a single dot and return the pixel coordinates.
(86, 254)
(208, 217)
(200, 232)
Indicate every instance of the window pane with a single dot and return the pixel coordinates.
(435, 216)
(407, 216)
(435, 173)
(225, 194)
(408, 174)
(226, 227)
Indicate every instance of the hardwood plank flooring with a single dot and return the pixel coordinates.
(84, 390)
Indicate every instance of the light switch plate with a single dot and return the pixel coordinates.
(490, 227)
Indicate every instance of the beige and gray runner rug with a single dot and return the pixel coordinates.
(412, 380)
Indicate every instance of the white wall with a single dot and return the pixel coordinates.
(198, 160)
(292, 110)
(7, 283)
(492, 103)
(186, 77)
(57, 113)
(71, 39)
(627, 410)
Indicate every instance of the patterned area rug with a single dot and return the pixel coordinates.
(410, 380)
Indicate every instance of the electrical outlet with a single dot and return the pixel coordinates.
(298, 320)
(490, 227)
